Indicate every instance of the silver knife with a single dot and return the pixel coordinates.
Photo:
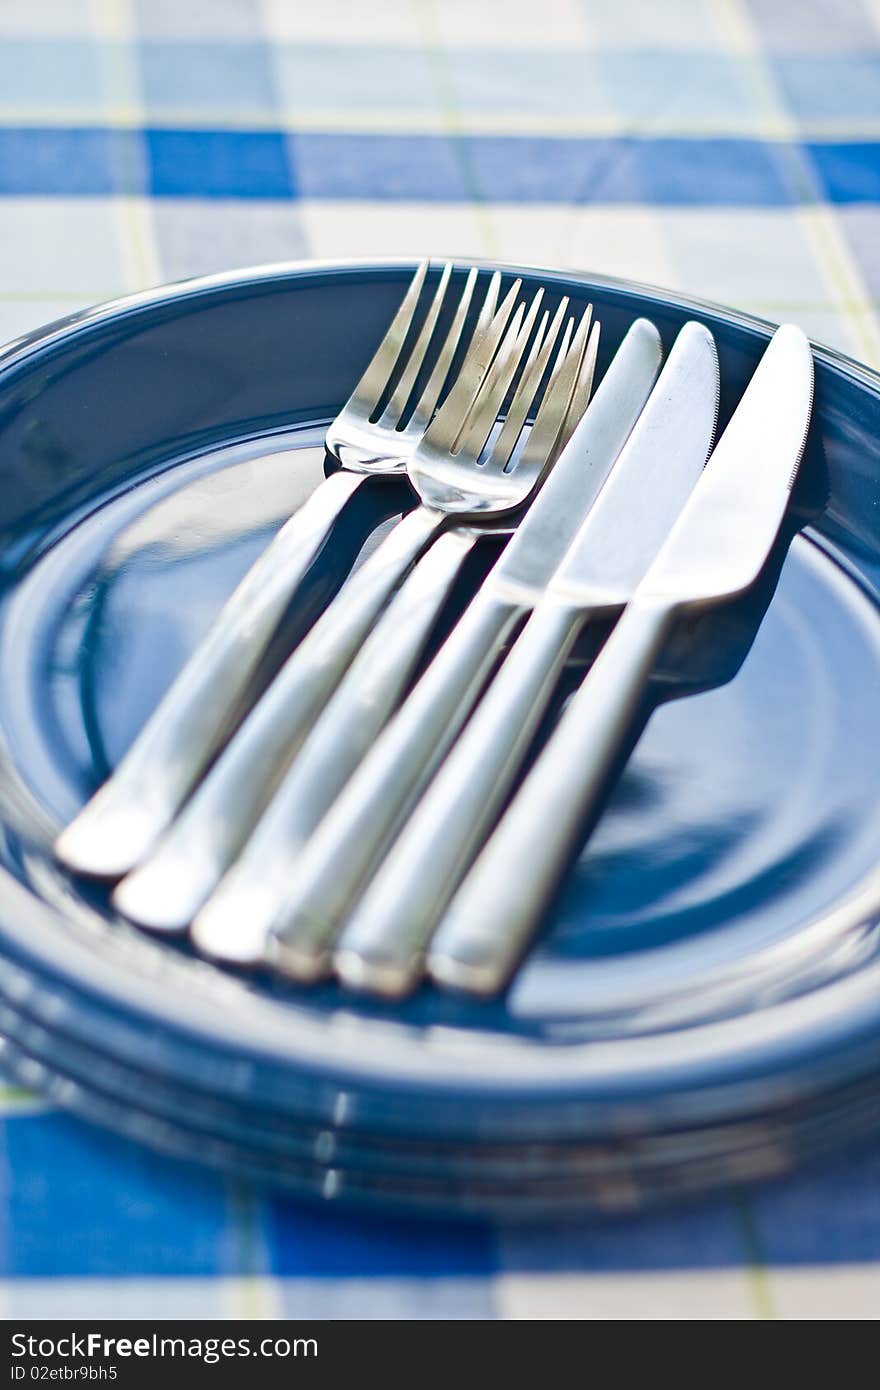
(382, 948)
(328, 874)
(714, 552)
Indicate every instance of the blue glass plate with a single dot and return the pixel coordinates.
(713, 953)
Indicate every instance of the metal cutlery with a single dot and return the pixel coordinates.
(714, 552)
(382, 947)
(169, 888)
(322, 881)
(125, 817)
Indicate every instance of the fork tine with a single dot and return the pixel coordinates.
(483, 414)
(583, 388)
(390, 416)
(511, 341)
(543, 437)
(564, 347)
(574, 366)
(490, 304)
(368, 392)
(447, 423)
(538, 343)
(526, 391)
(427, 402)
(502, 357)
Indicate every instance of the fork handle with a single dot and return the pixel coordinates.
(338, 857)
(498, 906)
(120, 823)
(243, 789)
(382, 947)
(166, 889)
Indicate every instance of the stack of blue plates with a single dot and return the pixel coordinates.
(704, 1003)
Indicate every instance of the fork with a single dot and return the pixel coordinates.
(248, 899)
(166, 891)
(122, 821)
(170, 886)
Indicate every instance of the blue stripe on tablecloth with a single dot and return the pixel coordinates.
(842, 1200)
(58, 161)
(339, 1244)
(849, 173)
(82, 1202)
(218, 164)
(434, 168)
(540, 170)
(78, 1201)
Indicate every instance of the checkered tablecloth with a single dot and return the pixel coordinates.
(729, 148)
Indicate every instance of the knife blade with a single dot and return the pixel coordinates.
(723, 535)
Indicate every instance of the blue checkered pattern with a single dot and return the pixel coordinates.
(729, 148)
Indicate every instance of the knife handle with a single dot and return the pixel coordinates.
(128, 813)
(169, 887)
(382, 948)
(498, 906)
(356, 830)
(238, 916)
